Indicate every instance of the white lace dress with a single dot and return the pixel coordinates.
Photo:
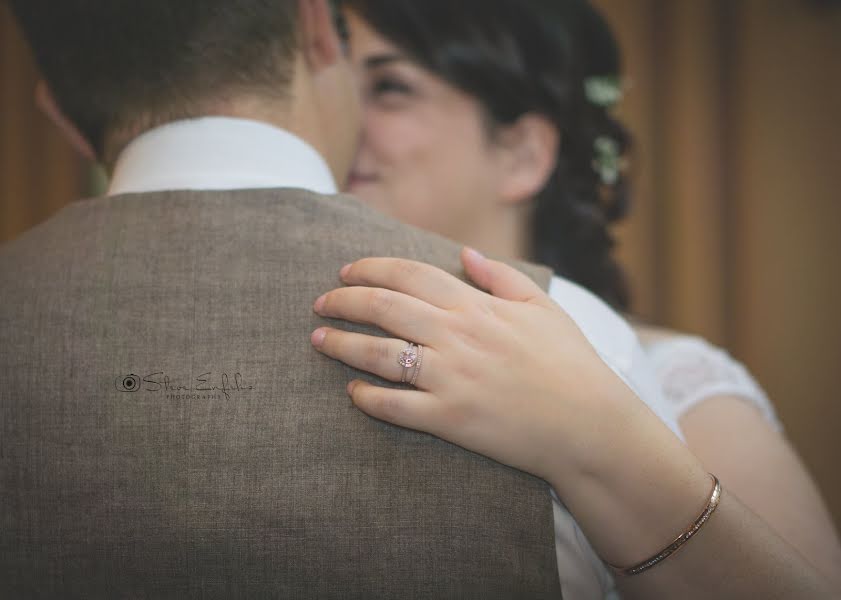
(690, 370)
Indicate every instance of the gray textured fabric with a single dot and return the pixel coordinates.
(276, 486)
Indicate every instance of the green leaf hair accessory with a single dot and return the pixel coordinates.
(608, 162)
(603, 91)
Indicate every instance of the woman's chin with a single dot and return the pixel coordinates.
(360, 187)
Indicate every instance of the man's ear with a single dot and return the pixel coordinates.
(529, 150)
(320, 42)
(45, 100)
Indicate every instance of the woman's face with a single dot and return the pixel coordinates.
(424, 155)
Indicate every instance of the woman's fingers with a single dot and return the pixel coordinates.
(503, 281)
(406, 408)
(399, 314)
(420, 280)
(377, 355)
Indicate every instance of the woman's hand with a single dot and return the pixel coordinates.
(507, 375)
(510, 376)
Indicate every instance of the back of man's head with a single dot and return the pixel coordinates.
(122, 65)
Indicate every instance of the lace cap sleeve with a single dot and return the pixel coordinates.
(692, 370)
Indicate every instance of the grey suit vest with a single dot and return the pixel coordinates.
(167, 431)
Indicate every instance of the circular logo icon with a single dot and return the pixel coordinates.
(128, 383)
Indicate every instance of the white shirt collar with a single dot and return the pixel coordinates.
(219, 153)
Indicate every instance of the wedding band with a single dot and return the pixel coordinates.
(418, 365)
(407, 359)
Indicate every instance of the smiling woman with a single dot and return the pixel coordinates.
(403, 168)
(491, 124)
(459, 113)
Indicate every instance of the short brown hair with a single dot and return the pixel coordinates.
(113, 64)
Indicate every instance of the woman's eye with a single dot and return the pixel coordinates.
(388, 86)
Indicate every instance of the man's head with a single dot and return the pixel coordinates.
(116, 68)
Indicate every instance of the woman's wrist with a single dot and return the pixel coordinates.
(593, 441)
(636, 488)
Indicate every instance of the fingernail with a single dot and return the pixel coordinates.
(351, 386)
(318, 337)
(345, 270)
(476, 254)
(319, 304)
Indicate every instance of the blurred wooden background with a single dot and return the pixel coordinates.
(736, 232)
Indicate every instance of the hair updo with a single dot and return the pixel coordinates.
(521, 56)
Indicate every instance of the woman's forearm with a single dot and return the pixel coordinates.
(735, 555)
(637, 493)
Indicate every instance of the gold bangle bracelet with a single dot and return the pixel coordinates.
(684, 537)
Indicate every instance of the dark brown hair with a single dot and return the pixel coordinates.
(114, 64)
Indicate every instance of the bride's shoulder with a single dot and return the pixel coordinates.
(672, 346)
(676, 354)
(649, 335)
(692, 370)
(589, 311)
(657, 340)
